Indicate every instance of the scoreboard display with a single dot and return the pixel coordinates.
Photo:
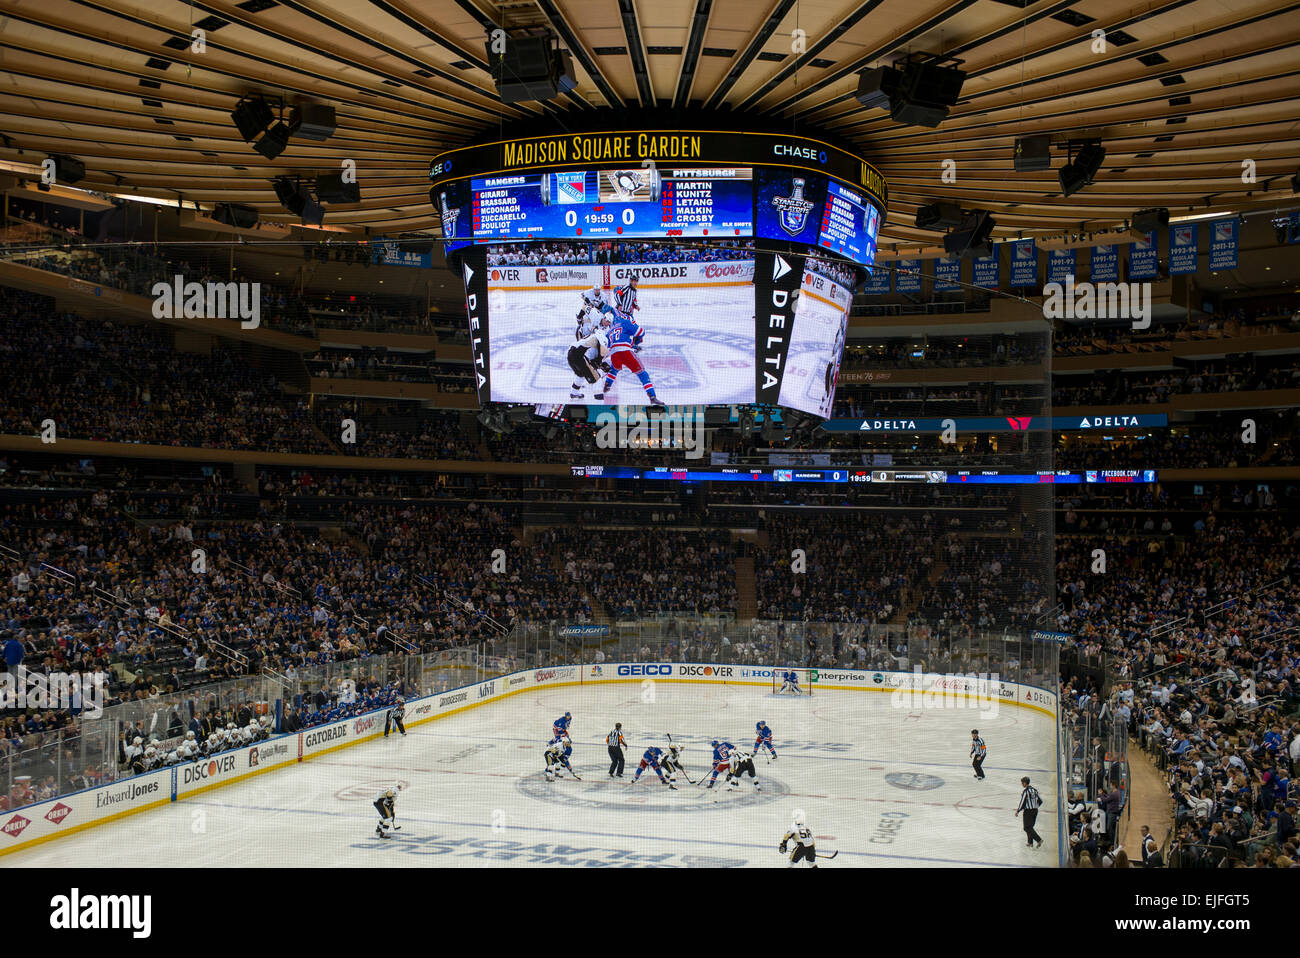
(635, 203)
(790, 191)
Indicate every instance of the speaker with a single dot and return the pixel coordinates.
(297, 200)
(330, 188)
(67, 170)
(1148, 221)
(274, 142)
(231, 214)
(925, 93)
(938, 216)
(525, 71)
(1075, 175)
(877, 87)
(252, 116)
(1033, 153)
(313, 121)
(975, 230)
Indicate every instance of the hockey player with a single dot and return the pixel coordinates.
(393, 719)
(386, 806)
(763, 739)
(653, 759)
(790, 681)
(721, 759)
(740, 763)
(805, 848)
(625, 337)
(593, 318)
(560, 727)
(557, 757)
(671, 762)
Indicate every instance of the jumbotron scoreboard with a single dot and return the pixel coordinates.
(656, 185)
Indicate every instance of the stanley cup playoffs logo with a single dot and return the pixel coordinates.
(449, 216)
(793, 209)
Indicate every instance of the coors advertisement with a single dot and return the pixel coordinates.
(777, 277)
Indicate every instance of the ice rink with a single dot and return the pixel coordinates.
(699, 346)
(885, 786)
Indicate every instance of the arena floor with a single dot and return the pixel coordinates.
(475, 794)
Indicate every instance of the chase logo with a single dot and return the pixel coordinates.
(800, 152)
(913, 781)
(645, 670)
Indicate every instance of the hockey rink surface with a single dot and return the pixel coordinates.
(885, 786)
(699, 347)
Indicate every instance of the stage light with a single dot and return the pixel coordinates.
(1079, 172)
(938, 216)
(252, 115)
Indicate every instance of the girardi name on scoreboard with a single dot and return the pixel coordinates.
(601, 147)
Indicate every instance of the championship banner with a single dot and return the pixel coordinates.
(984, 269)
(473, 269)
(947, 274)
(1223, 244)
(1103, 267)
(878, 284)
(1183, 248)
(1061, 265)
(907, 275)
(777, 278)
(1144, 257)
(1024, 263)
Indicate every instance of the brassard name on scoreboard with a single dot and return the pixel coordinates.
(587, 148)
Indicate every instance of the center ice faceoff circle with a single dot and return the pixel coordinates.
(649, 795)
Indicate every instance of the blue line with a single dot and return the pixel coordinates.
(560, 831)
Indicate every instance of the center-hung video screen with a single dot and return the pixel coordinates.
(665, 323)
(633, 323)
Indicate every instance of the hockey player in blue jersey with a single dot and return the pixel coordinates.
(560, 727)
(625, 337)
(790, 681)
(763, 739)
(721, 759)
(651, 759)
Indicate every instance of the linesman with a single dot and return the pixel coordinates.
(616, 743)
(1030, 803)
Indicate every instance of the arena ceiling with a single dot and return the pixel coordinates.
(1184, 92)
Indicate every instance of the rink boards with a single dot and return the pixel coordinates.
(68, 814)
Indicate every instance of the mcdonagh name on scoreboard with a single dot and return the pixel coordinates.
(628, 146)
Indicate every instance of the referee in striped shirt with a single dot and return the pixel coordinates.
(616, 744)
(1030, 802)
(625, 297)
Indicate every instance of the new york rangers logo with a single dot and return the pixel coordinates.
(1183, 236)
(571, 187)
(449, 215)
(793, 210)
(1024, 250)
(1224, 232)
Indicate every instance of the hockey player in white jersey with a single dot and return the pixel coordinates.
(805, 846)
(671, 762)
(587, 357)
(742, 762)
(386, 806)
(557, 758)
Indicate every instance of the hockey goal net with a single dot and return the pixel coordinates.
(786, 680)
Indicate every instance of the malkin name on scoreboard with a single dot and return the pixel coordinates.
(628, 146)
